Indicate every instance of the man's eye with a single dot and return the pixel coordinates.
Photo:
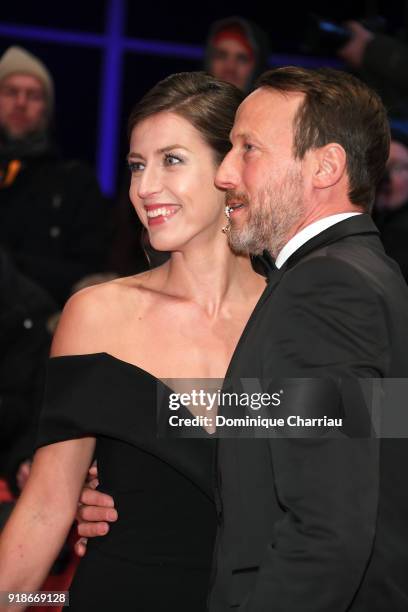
(135, 166)
(248, 147)
(9, 93)
(172, 160)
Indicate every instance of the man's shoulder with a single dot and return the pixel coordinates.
(358, 261)
(326, 284)
(325, 267)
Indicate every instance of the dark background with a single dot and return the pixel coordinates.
(77, 70)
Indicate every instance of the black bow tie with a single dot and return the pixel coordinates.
(267, 262)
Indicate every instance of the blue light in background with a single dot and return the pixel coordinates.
(10, 30)
(169, 49)
(111, 94)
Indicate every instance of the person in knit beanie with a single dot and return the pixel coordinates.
(52, 214)
(26, 100)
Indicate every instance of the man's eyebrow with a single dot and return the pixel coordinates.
(242, 135)
(135, 154)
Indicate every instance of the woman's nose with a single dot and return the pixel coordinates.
(149, 182)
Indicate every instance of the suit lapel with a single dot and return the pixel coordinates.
(360, 224)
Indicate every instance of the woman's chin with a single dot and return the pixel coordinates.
(163, 244)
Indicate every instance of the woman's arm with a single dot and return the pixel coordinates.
(39, 524)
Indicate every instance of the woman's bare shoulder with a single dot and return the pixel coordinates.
(91, 317)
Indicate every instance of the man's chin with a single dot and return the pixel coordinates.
(20, 131)
(242, 243)
(15, 134)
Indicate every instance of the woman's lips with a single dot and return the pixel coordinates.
(160, 213)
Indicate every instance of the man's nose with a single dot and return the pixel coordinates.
(21, 98)
(230, 62)
(227, 176)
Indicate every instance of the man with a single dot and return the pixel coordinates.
(52, 215)
(236, 51)
(316, 523)
(391, 206)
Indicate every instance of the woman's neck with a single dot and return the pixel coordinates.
(209, 276)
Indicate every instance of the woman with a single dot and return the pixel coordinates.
(113, 345)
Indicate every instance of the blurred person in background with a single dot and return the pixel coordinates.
(391, 205)
(381, 61)
(52, 214)
(25, 338)
(236, 51)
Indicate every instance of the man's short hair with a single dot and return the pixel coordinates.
(339, 108)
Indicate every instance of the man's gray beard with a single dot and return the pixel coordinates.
(271, 218)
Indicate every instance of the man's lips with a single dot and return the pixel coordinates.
(234, 207)
(17, 117)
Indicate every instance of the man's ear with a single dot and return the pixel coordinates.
(330, 165)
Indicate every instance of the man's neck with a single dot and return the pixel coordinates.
(35, 144)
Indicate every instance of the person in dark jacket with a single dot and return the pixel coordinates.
(52, 214)
(25, 338)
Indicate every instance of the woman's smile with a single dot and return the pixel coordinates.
(160, 213)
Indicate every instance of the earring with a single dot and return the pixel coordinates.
(227, 227)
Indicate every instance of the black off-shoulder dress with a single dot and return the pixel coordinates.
(157, 556)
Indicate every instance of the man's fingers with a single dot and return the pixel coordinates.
(95, 498)
(96, 514)
(80, 546)
(90, 530)
(93, 471)
(92, 484)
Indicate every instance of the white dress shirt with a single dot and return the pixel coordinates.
(308, 232)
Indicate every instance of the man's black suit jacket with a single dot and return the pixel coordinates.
(319, 524)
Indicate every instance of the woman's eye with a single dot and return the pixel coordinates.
(135, 166)
(172, 160)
